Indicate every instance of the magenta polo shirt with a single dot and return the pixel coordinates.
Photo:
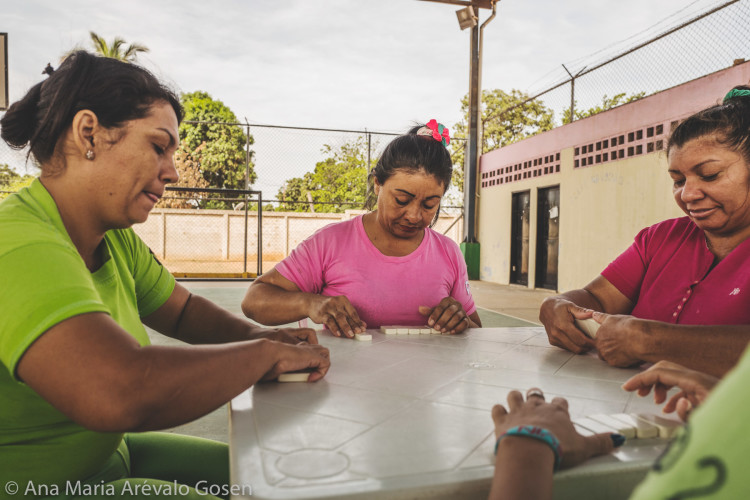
(340, 259)
(667, 274)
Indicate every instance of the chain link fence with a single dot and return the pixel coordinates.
(282, 154)
(704, 37)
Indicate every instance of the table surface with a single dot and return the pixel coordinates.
(408, 416)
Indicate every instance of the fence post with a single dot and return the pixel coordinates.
(369, 147)
(573, 92)
(259, 271)
(286, 231)
(163, 235)
(247, 186)
(227, 236)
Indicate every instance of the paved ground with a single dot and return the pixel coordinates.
(498, 305)
(509, 300)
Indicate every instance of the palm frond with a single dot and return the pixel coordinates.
(132, 51)
(117, 49)
(100, 45)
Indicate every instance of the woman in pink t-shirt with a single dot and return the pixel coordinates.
(387, 267)
(681, 292)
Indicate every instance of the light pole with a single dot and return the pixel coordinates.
(467, 19)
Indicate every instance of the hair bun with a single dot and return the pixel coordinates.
(19, 123)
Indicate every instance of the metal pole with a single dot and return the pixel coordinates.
(572, 94)
(247, 186)
(244, 253)
(470, 168)
(475, 131)
(369, 146)
(572, 100)
(260, 235)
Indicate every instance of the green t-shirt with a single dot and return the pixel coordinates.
(44, 282)
(709, 458)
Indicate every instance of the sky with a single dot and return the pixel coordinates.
(379, 65)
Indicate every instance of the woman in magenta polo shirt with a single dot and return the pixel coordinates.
(681, 292)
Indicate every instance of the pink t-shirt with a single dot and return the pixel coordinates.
(667, 273)
(340, 259)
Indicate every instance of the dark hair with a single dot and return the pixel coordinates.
(115, 91)
(411, 152)
(729, 120)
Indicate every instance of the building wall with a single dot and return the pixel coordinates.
(188, 240)
(612, 174)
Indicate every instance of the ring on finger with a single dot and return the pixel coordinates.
(534, 392)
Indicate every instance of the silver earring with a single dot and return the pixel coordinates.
(89, 155)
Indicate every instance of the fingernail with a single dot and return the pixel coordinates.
(617, 439)
(431, 322)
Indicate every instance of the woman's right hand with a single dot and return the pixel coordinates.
(695, 386)
(554, 417)
(558, 316)
(337, 313)
(287, 335)
(297, 357)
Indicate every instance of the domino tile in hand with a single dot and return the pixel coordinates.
(588, 326)
(294, 377)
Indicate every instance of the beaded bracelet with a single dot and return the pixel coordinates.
(538, 433)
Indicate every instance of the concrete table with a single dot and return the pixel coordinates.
(408, 416)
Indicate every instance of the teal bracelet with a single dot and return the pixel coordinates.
(538, 433)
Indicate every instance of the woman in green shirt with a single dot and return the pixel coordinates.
(79, 381)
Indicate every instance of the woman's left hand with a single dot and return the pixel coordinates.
(694, 386)
(287, 335)
(448, 316)
(617, 338)
(554, 417)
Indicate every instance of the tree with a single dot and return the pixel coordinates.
(499, 127)
(10, 181)
(294, 190)
(7, 174)
(117, 49)
(340, 179)
(187, 164)
(222, 155)
(607, 103)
